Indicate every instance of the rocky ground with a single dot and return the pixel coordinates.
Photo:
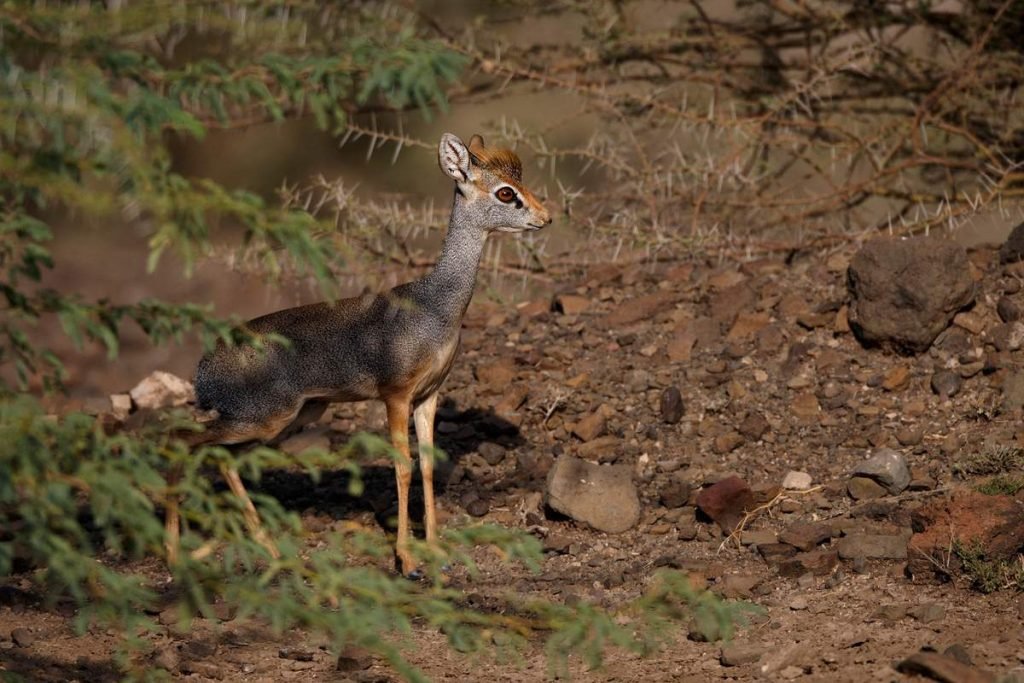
(722, 419)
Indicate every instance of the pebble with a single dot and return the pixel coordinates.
(738, 653)
(796, 481)
(23, 637)
(798, 604)
(888, 468)
(863, 488)
(590, 427)
(491, 452)
(1008, 310)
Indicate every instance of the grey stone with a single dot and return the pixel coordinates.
(671, 405)
(903, 293)
(1012, 250)
(796, 481)
(602, 496)
(946, 383)
(162, 390)
(928, 612)
(491, 452)
(888, 468)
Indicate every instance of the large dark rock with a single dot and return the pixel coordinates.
(602, 496)
(903, 293)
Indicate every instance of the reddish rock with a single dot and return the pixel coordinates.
(816, 562)
(726, 502)
(942, 668)
(496, 376)
(994, 524)
(805, 535)
(590, 427)
(641, 308)
(571, 304)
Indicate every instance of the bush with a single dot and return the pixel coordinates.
(90, 96)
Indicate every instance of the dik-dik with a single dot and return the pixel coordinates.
(397, 347)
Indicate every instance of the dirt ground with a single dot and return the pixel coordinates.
(773, 382)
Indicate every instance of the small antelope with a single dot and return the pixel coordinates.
(398, 346)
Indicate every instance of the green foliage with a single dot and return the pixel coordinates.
(91, 96)
(78, 508)
(993, 459)
(986, 574)
(1002, 484)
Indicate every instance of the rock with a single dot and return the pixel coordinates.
(928, 612)
(796, 481)
(816, 562)
(726, 502)
(910, 436)
(970, 321)
(903, 293)
(738, 653)
(492, 453)
(747, 325)
(758, 537)
(739, 586)
(806, 535)
(873, 546)
(571, 304)
(805, 405)
(775, 553)
(354, 659)
(162, 390)
(316, 439)
(496, 376)
(671, 405)
(120, 405)
(602, 496)
(941, 668)
(886, 467)
(590, 427)
(296, 654)
(754, 426)
(890, 612)
(556, 543)
(676, 493)
(603, 449)
(798, 604)
(896, 379)
(726, 443)
(1013, 392)
(863, 488)
(634, 310)
(1007, 336)
(166, 658)
(23, 637)
(478, 507)
(1008, 310)
(1012, 250)
(994, 525)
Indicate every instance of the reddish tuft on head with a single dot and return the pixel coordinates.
(501, 161)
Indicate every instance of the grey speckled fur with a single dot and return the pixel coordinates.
(401, 342)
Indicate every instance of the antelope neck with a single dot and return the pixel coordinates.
(450, 285)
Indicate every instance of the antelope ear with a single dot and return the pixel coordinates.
(453, 157)
(476, 144)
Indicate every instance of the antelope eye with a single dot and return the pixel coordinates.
(505, 194)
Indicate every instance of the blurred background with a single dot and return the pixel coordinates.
(655, 130)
